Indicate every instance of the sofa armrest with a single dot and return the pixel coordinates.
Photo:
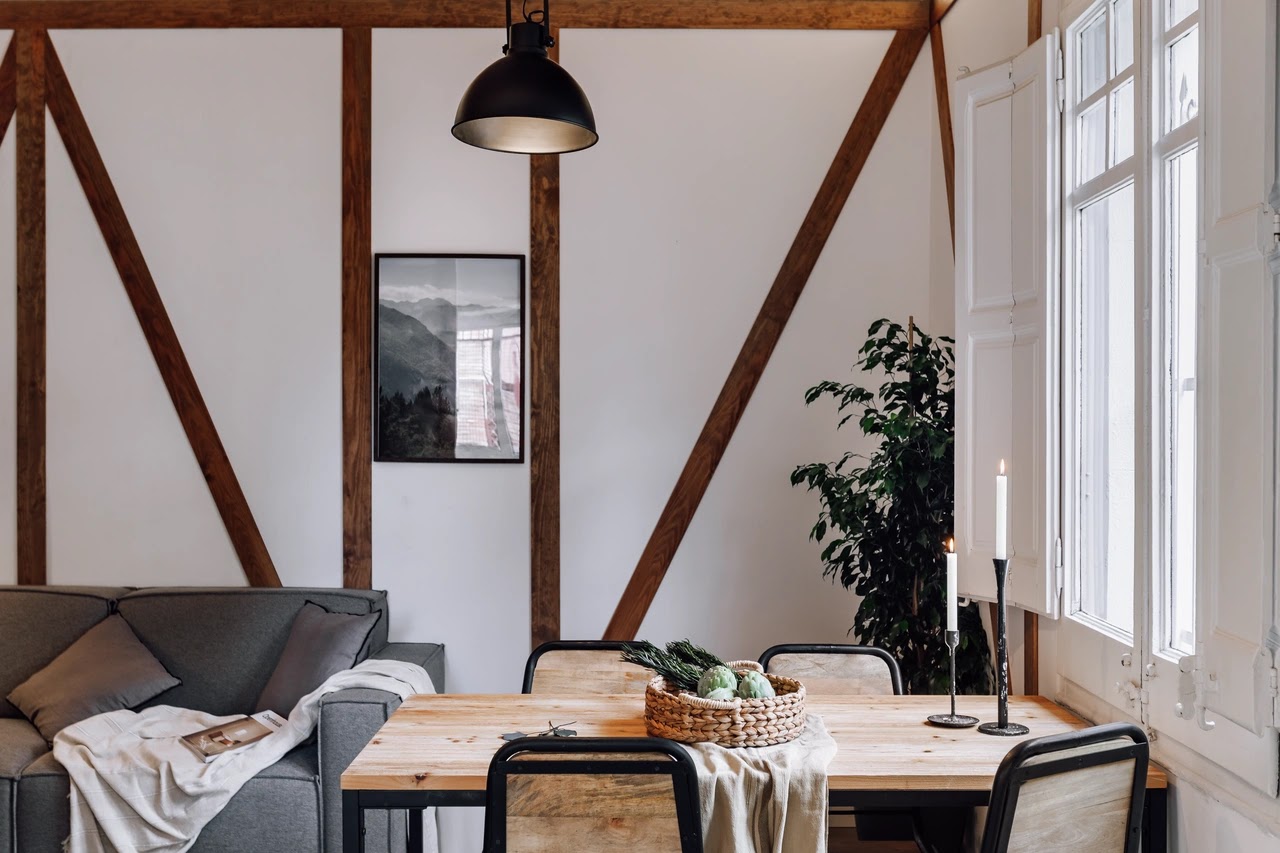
(348, 720)
(429, 656)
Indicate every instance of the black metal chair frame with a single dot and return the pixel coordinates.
(680, 768)
(1014, 771)
(895, 673)
(566, 646)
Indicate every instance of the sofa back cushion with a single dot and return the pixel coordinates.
(224, 643)
(38, 623)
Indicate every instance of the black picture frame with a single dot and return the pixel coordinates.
(419, 339)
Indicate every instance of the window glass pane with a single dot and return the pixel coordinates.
(1091, 142)
(1181, 262)
(1182, 80)
(1122, 38)
(1178, 10)
(1093, 55)
(1107, 410)
(1122, 123)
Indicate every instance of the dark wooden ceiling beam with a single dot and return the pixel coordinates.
(574, 14)
(30, 410)
(357, 308)
(940, 9)
(745, 374)
(157, 328)
(8, 86)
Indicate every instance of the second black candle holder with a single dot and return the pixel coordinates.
(1002, 726)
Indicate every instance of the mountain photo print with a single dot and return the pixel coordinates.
(450, 358)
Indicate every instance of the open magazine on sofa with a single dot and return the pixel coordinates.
(216, 740)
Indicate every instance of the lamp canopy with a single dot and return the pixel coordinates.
(525, 103)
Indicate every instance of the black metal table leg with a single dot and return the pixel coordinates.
(415, 831)
(352, 823)
(1155, 821)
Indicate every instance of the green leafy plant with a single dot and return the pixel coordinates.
(885, 521)
(681, 662)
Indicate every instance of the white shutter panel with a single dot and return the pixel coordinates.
(1007, 327)
(1236, 429)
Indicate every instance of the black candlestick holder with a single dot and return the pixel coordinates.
(1002, 726)
(953, 720)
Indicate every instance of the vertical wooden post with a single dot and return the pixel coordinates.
(942, 92)
(357, 308)
(32, 527)
(544, 385)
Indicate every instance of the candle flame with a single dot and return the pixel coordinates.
(951, 546)
(1001, 467)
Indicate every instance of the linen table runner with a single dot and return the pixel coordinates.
(770, 799)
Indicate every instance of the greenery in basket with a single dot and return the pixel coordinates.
(695, 670)
(886, 517)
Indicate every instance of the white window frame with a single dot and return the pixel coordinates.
(1105, 673)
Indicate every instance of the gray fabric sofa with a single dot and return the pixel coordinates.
(223, 643)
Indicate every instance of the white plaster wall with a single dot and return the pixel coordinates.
(1202, 823)
(223, 147)
(682, 215)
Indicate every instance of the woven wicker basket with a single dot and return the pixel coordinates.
(683, 717)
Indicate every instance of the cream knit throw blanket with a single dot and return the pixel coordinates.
(135, 787)
(770, 799)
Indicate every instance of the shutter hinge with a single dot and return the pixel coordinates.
(1061, 82)
(1195, 683)
(1059, 571)
(1275, 227)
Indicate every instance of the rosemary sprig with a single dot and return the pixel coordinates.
(686, 651)
(682, 674)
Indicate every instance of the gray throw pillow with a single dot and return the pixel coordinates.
(107, 669)
(320, 644)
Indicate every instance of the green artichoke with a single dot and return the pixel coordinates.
(753, 685)
(721, 694)
(717, 678)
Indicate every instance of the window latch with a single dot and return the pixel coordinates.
(1194, 685)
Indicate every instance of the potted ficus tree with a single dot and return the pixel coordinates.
(885, 517)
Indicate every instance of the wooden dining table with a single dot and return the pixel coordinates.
(435, 751)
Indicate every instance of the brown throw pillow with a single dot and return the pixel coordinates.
(107, 669)
(320, 644)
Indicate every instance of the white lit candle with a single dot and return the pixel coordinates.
(953, 604)
(1002, 513)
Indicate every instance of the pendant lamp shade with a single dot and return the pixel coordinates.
(525, 103)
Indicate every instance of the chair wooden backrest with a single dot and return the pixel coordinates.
(582, 666)
(836, 670)
(1077, 791)
(593, 795)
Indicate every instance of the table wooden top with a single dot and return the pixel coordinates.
(445, 743)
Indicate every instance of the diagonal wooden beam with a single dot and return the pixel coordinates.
(8, 86)
(657, 14)
(764, 335)
(156, 327)
(940, 10)
(942, 90)
(544, 387)
(357, 309)
(1035, 18)
(32, 520)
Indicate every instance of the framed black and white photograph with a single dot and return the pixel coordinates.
(450, 358)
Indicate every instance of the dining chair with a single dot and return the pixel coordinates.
(1081, 790)
(840, 670)
(846, 670)
(582, 666)
(593, 795)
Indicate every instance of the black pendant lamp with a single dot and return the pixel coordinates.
(525, 103)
